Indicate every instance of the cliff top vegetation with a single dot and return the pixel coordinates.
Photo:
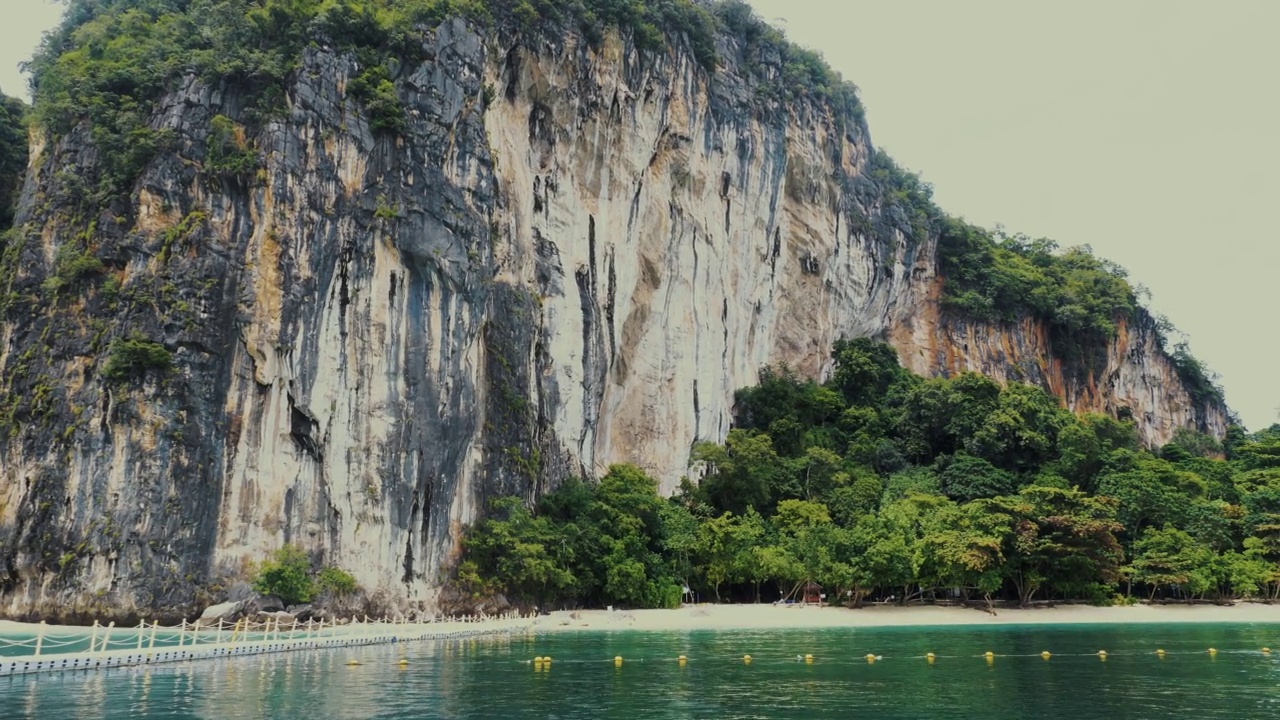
(111, 60)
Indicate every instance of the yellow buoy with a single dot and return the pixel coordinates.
(404, 661)
(1266, 651)
(746, 659)
(990, 654)
(353, 662)
(1046, 654)
(617, 661)
(808, 659)
(538, 659)
(930, 656)
(1160, 651)
(1213, 651)
(1102, 653)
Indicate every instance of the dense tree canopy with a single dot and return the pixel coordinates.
(882, 483)
(13, 155)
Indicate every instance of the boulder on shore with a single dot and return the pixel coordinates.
(303, 613)
(278, 618)
(228, 611)
(263, 603)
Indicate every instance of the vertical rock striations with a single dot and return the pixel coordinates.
(571, 256)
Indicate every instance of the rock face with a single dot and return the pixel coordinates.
(1134, 379)
(571, 257)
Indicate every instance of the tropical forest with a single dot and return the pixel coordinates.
(880, 485)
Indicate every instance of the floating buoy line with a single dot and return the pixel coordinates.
(544, 662)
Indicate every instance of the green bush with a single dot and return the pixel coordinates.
(229, 154)
(70, 267)
(374, 88)
(336, 581)
(134, 356)
(287, 575)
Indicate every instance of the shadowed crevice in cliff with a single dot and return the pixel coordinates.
(522, 458)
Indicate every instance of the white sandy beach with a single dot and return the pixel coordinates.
(766, 616)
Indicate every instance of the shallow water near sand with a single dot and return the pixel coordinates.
(493, 678)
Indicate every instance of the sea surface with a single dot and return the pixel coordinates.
(495, 678)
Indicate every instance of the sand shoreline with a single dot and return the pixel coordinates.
(766, 616)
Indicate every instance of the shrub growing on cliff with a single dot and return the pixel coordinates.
(286, 575)
(229, 153)
(134, 356)
(336, 581)
(71, 265)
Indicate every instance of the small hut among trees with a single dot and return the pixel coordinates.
(812, 593)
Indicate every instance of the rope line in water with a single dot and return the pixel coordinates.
(808, 659)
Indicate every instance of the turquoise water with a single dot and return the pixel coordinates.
(492, 678)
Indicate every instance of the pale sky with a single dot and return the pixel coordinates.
(1149, 129)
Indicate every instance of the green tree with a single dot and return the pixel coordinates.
(966, 478)
(864, 370)
(964, 547)
(776, 563)
(1021, 432)
(724, 541)
(1084, 445)
(745, 472)
(512, 548)
(1246, 575)
(1150, 491)
(1061, 539)
(854, 497)
(679, 539)
(1169, 557)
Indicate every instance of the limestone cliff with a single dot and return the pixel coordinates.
(571, 256)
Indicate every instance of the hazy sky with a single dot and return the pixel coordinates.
(1147, 129)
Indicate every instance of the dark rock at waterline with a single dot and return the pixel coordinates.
(303, 613)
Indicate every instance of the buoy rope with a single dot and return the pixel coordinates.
(809, 658)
